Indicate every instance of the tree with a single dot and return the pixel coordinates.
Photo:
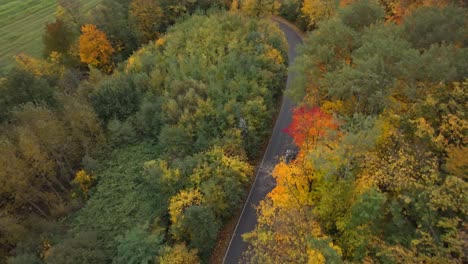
(387, 184)
(199, 227)
(162, 178)
(138, 245)
(95, 49)
(82, 248)
(309, 125)
(25, 258)
(433, 25)
(84, 181)
(260, 8)
(112, 17)
(115, 97)
(315, 11)
(325, 50)
(364, 224)
(175, 141)
(181, 201)
(57, 37)
(221, 179)
(70, 12)
(178, 254)
(25, 188)
(20, 87)
(361, 14)
(83, 125)
(148, 16)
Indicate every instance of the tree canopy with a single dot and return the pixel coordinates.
(378, 178)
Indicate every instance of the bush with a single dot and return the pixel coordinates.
(83, 248)
(138, 246)
(24, 259)
(361, 14)
(19, 87)
(115, 97)
(178, 254)
(120, 132)
(199, 228)
(432, 25)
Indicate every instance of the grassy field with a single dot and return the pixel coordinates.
(22, 24)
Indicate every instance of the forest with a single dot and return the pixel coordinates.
(136, 136)
(134, 145)
(381, 124)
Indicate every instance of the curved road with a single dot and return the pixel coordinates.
(263, 182)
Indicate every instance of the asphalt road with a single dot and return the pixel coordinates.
(264, 182)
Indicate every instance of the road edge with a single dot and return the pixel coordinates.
(277, 20)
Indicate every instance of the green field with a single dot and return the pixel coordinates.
(22, 24)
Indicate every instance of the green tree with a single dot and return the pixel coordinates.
(82, 248)
(433, 25)
(325, 49)
(138, 245)
(361, 14)
(364, 224)
(115, 97)
(199, 228)
(19, 87)
(112, 17)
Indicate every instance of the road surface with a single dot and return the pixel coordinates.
(264, 182)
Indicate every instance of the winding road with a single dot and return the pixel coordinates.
(264, 182)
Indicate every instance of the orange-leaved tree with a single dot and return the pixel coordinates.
(309, 124)
(95, 48)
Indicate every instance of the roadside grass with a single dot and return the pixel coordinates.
(22, 24)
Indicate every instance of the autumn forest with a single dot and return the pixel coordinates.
(139, 134)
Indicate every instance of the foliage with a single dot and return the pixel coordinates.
(148, 16)
(19, 87)
(259, 8)
(431, 25)
(95, 49)
(121, 190)
(316, 11)
(190, 228)
(183, 115)
(387, 184)
(178, 254)
(42, 150)
(308, 125)
(83, 248)
(136, 246)
(112, 17)
(22, 27)
(25, 258)
(115, 98)
(129, 24)
(361, 14)
(84, 181)
(57, 38)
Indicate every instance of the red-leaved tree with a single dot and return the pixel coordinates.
(308, 125)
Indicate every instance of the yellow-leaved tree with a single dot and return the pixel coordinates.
(95, 48)
(260, 8)
(315, 11)
(84, 181)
